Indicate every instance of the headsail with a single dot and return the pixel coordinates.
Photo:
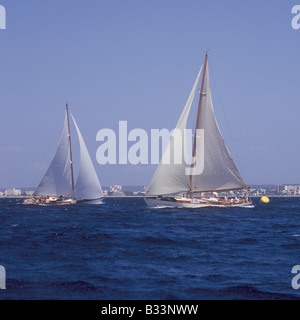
(220, 172)
(57, 180)
(170, 177)
(87, 186)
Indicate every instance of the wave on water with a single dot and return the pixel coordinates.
(95, 202)
(247, 292)
(124, 249)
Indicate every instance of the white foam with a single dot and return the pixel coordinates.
(162, 207)
(248, 207)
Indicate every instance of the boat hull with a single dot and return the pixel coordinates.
(182, 202)
(42, 202)
(46, 202)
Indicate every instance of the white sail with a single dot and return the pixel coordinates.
(57, 180)
(219, 172)
(169, 176)
(87, 186)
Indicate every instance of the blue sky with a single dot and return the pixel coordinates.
(136, 60)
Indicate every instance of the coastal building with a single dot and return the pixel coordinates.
(262, 191)
(280, 188)
(140, 192)
(116, 190)
(292, 189)
(1, 194)
(13, 192)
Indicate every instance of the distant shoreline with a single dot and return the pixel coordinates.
(275, 196)
(250, 196)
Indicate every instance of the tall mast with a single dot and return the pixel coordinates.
(198, 115)
(71, 161)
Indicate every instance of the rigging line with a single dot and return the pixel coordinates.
(195, 105)
(70, 147)
(192, 117)
(225, 117)
(198, 114)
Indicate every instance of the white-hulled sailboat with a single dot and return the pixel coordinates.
(211, 170)
(57, 186)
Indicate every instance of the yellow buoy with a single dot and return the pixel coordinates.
(264, 200)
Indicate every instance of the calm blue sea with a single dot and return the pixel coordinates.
(123, 250)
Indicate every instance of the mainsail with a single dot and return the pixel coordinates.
(218, 171)
(58, 178)
(87, 186)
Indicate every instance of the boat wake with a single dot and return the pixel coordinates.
(162, 207)
(204, 206)
(95, 202)
(251, 206)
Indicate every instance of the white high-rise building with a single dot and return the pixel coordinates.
(291, 189)
(13, 192)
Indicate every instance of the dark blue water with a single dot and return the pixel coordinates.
(125, 250)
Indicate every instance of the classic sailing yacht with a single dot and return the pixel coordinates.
(57, 186)
(211, 170)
